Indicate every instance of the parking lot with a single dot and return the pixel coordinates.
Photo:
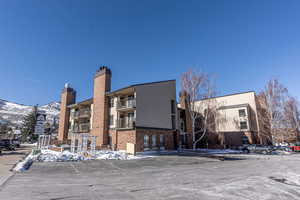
(8, 159)
(163, 177)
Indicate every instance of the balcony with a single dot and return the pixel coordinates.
(84, 113)
(125, 124)
(81, 128)
(125, 104)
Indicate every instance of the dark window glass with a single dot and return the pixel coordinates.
(242, 113)
(172, 106)
(243, 125)
(173, 122)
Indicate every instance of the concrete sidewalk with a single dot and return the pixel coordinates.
(7, 161)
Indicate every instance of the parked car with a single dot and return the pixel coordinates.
(7, 144)
(295, 147)
(256, 148)
(282, 148)
(16, 142)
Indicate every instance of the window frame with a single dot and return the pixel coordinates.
(154, 138)
(242, 111)
(146, 141)
(241, 126)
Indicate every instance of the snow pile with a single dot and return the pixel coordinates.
(111, 155)
(54, 156)
(29, 145)
(26, 163)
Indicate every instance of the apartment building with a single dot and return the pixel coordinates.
(143, 114)
(237, 122)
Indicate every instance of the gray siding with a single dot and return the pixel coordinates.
(153, 104)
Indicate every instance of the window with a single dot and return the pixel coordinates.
(153, 140)
(242, 113)
(161, 140)
(173, 122)
(111, 120)
(111, 102)
(182, 125)
(109, 139)
(146, 140)
(172, 106)
(243, 125)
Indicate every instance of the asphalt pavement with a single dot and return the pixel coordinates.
(163, 177)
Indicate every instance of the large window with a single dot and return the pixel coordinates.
(242, 113)
(146, 141)
(243, 125)
(161, 140)
(154, 141)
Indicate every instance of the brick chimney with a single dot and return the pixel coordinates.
(102, 85)
(68, 97)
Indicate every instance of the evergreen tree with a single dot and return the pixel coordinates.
(28, 125)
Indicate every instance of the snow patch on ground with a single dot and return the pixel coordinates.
(26, 163)
(55, 156)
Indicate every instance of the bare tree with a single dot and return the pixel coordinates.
(264, 134)
(273, 99)
(292, 118)
(201, 107)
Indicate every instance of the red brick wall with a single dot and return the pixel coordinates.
(168, 138)
(123, 137)
(67, 97)
(102, 82)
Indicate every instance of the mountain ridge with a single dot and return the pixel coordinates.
(13, 113)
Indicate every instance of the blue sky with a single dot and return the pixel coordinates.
(44, 44)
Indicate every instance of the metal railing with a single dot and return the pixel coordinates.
(125, 124)
(126, 103)
(82, 127)
(81, 113)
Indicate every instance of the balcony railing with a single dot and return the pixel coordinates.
(125, 124)
(126, 104)
(86, 113)
(82, 127)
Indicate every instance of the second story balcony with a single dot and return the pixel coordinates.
(123, 104)
(82, 113)
(81, 128)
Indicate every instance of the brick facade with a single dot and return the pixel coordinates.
(102, 84)
(68, 97)
(124, 137)
(120, 138)
(169, 138)
(117, 137)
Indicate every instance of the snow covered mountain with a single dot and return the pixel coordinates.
(13, 113)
